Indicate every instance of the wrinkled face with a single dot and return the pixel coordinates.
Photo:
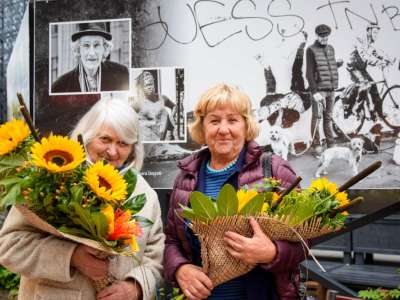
(107, 145)
(92, 50)
(225, 132)
(148, 84)
(356, 144)
(275, 133)
(323, 40)
(373, 34)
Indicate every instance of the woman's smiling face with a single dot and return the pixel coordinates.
(224, 131)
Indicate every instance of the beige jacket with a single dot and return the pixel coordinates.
(44, 260)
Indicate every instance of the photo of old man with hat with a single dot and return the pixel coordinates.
(322, 76)
(91, 57)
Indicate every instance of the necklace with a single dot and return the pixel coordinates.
(229, 166)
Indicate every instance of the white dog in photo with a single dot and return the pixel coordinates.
(352, 155)
(276, 137)
(263, 136)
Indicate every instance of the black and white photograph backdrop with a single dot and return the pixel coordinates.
(89, 56)
(158, 96)
(267, 49)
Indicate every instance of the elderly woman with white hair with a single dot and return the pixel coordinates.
(53, 268)
(91, 46)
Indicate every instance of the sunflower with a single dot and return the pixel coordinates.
(12, 134)
(57, 154)
(245, 196)
(323, 184)
(106, 182)
(343, 200)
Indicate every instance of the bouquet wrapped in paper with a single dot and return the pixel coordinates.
(57, 191)
(292, 215)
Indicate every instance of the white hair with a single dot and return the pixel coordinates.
(121, 117)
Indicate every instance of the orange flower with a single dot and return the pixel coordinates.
(125, 229)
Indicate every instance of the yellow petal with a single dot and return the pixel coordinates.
(244, 196)
(134, 244)
(108, 212)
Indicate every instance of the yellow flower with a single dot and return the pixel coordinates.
(343, 200)
(108, 212)
(134, 244)
(106, 182)
(275, 197)
(265, 207)
(57, 154)
(245, 196)
(12, 134)
(321, 184)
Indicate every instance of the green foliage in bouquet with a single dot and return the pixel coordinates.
(321, 200)
(53, 179)
(247, 201)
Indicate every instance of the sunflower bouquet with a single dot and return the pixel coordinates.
(57, 191)
(283, 214)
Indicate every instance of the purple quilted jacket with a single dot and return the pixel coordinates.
(177, 248)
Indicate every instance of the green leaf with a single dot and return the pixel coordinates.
(188, 213)
(135, 204)
(75, 231)
(100, 221)
(10, 180)
(12, 161)
(203, 207)
(254, 206)
(10, 196)
(131, 179)
(227, 201)
(268, 198)
(48, 200)
(83, 218)
(77, 193)
(144, 222)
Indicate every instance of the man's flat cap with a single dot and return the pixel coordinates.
(323, 30)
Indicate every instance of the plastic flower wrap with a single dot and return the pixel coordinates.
(58, 191)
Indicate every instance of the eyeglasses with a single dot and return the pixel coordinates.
(95, 45)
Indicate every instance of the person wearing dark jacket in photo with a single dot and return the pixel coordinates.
(322, 76)
(91, 46)
(224, 123)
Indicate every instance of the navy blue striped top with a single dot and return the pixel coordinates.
(234, 289)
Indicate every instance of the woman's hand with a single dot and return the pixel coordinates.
(121, 290)
(86, 261)
(256, 250)
(194, 283)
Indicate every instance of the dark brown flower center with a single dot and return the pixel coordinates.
(58, 157)
(103, 182)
